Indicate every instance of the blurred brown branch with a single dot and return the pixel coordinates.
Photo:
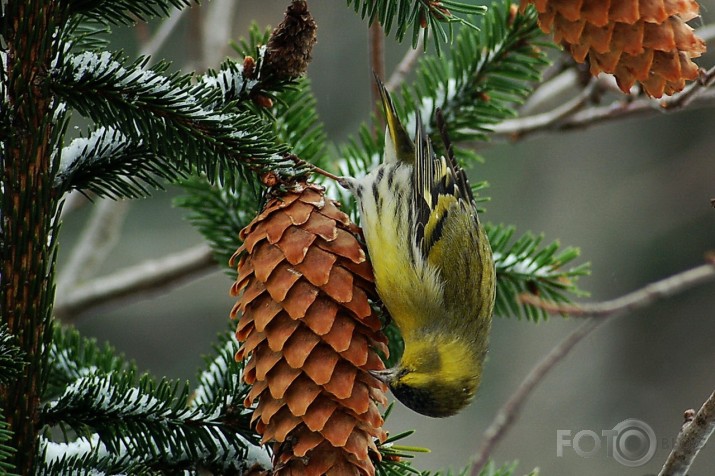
(131, 283)
(584, 111)
(648, 295)
(643, 297)
(577, 114)
(406, 65)
(691, 439)
(509, 412)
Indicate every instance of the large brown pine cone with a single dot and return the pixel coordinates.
(310, 336)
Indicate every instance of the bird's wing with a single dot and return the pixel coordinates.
(440, 190)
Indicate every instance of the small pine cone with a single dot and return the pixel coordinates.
(291, 44)
(644, 41)
(310, 336)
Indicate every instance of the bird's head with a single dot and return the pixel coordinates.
(437, 382)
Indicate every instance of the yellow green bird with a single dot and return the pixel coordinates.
(433, 266)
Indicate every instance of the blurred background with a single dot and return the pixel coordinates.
(633, 195)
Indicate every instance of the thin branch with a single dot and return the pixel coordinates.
(550, 90)
(195, 40)
(376, 51)
(130, 283)
(219, 19)
(547, 119)
(97, 240)
(406, 65)
(151, 47)
(509, 412)
(643, 297)
(691, 439)
(74, 200)
(696, 94)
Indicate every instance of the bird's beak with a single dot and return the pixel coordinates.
(385, 376)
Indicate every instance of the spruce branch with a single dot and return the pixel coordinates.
(148, 420)
(124, 12)
(73, 356)
(178, 116)
(12, 359)
(221, 388)
(524, 266)
(85, 456)
(694, 434)
(418, 17)
(486, 74)
(6, 450)
(112, 165)
(128, 284)
(220, 213)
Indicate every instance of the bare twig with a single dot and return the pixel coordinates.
(552, 89)
(692, 437)
(509, 412)
(688, 95)
(548, 119)
(130, 283)
(218, 21)
(94, 244)
(406, 65)
(74, 200)
(696, 94)
(195, 40)
(648, 295)
(376, 39)
(641, 298)
(151, 47)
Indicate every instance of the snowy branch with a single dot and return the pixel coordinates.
(128, 284)
(692, 437)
